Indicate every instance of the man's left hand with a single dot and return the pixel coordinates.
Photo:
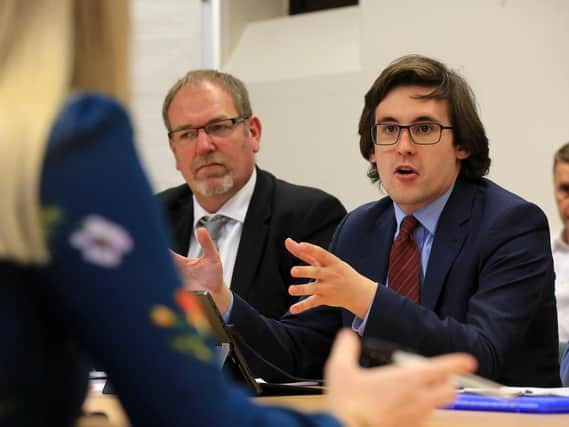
(335, 283)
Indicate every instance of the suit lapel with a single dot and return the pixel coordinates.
(378, 241)
(449, 238)
(183, 227)
(255, 229)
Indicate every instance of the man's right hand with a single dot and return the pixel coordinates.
(206, 272)
(388, 396)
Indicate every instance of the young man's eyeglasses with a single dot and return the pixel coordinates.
(217, 129)
(421, 133)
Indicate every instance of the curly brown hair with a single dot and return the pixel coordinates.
(417, 70)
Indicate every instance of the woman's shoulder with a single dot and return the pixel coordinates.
(84, 114)
(91, 106)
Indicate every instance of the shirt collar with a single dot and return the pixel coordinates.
(428, 215)
(236, 207)
(559, 244)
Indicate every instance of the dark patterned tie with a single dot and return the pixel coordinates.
(214, 224)
(404, 261)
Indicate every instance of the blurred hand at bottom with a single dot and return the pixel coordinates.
(389, 396)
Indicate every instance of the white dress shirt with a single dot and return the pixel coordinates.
(228, 243)
(561, 261)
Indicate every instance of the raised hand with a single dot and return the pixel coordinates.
(205, 272)
(389, 396)
(335, 283)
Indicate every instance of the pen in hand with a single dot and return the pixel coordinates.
(468, 382)
(383, 352)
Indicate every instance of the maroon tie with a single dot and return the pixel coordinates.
(404, 261)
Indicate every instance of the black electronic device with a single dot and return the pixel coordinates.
(235, 364)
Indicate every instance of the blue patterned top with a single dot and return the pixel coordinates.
(109, 295)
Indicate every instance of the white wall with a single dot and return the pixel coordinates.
(513, 53)
(166, 44)
(288, 48)
(304, 74)
(235, 15)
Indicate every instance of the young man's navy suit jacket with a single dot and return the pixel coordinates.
(488, 291)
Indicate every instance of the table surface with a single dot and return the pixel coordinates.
(109, 405)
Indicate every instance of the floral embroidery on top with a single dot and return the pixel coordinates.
(5, 408)
(101, 242)
(187, 339)
(50, 216)
(194, 312)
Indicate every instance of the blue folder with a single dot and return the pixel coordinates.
(525, 404)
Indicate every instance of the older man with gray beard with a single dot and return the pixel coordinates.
(248, 212)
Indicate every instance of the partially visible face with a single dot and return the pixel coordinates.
(415, 175)
(213, 167)
(561, 186)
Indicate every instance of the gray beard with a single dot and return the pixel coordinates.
(206, 190)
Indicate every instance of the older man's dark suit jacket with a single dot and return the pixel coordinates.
(488, 291)
(277, 210)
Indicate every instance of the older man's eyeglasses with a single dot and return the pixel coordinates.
(563, 189)
(217, 129)
(421, 133)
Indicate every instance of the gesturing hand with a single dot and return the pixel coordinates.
(390, 396)
(335, 283)
(205, 272)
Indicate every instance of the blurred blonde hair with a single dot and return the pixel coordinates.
(47, 49)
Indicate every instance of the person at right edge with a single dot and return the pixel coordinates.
(560, 248)
(448, 261)
(84, 266)
(560, 241)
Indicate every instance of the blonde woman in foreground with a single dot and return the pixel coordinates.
(84, 266)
